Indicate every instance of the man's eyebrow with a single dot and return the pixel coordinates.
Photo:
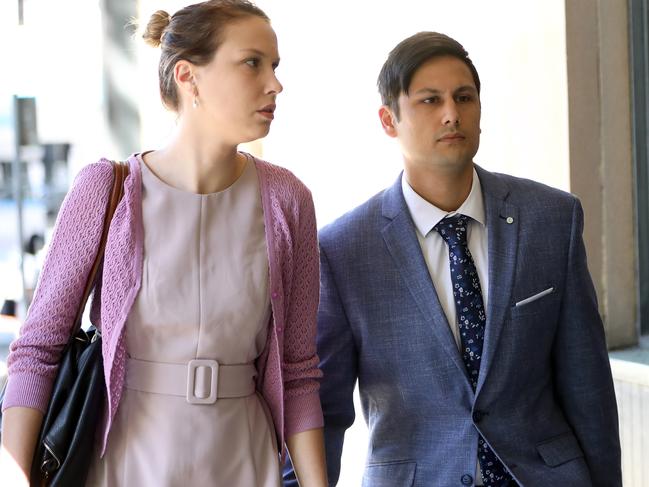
(467, 88)
(434, 91)
(427, 90)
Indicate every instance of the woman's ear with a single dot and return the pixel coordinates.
(185, 79)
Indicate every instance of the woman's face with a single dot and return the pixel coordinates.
(238, 88)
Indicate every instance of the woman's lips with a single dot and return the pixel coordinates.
(268, 115)
(267, 112)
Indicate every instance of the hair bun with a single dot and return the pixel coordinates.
(156, 27)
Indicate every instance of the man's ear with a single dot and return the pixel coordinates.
(388, 120)
(184, 77)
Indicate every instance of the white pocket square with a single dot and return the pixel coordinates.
(535, 297)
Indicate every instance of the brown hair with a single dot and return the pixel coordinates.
(408, 56)
(191, 34)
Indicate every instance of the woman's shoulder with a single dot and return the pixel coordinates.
(91, 185)
(100, 171)
(282, 180)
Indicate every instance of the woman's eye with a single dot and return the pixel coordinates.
(253, 62)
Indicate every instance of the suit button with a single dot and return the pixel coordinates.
(466, 479)
(478, 416)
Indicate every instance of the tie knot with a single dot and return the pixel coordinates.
(453, 229)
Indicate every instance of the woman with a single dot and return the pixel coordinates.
(211, 267)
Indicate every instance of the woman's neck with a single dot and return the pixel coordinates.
(194, 162)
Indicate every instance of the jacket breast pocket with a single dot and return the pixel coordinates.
(544, 299)
(390, 474)
(559, 450)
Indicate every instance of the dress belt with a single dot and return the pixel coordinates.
(200, 381)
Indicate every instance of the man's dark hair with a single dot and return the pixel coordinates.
(406, 58)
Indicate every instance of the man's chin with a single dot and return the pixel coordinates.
(453, 165)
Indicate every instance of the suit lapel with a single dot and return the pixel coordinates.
(502, 226)
(401, 240)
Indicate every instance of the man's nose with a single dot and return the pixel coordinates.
(451, 114)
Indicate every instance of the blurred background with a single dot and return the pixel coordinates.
(564, 102)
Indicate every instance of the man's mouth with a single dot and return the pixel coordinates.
(454, 136)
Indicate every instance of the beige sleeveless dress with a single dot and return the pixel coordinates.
(204, 295)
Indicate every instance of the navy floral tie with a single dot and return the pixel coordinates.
(471, 321)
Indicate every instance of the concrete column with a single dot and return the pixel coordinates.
(601, 163)
(120, 70)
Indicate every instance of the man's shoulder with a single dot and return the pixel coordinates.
(527, 193)
(356, 222)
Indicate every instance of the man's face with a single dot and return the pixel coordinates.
(439, 123)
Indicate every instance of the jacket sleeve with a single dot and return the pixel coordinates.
(300, 371)
(339, 363)
(582, 368)
(34, 356)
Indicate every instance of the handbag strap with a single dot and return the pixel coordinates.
(120, 171)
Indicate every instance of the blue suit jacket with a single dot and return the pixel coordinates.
(545, 400)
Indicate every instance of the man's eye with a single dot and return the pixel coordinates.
(431, 100)
(464, 98)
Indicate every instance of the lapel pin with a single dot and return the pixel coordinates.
(510, 220)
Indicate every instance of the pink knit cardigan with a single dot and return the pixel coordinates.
(288, 367)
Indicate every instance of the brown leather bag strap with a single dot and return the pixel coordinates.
(120, 171)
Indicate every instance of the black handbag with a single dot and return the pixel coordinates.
(65, 446)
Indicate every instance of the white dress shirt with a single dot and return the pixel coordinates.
(425, 216)
(435, 250)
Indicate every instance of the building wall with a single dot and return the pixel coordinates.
(327, 128)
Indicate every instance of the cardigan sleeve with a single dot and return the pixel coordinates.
(300, 368)
(34, 356)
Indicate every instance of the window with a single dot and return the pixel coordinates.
(639, 57)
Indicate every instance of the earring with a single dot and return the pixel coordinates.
(195, 100)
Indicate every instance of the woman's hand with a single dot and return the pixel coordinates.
(308, 457)
(10, 471)
(20, 427)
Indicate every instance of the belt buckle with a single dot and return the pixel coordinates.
(198, 381)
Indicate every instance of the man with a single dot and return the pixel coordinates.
(462, 302)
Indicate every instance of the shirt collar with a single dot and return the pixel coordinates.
(426, 215)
